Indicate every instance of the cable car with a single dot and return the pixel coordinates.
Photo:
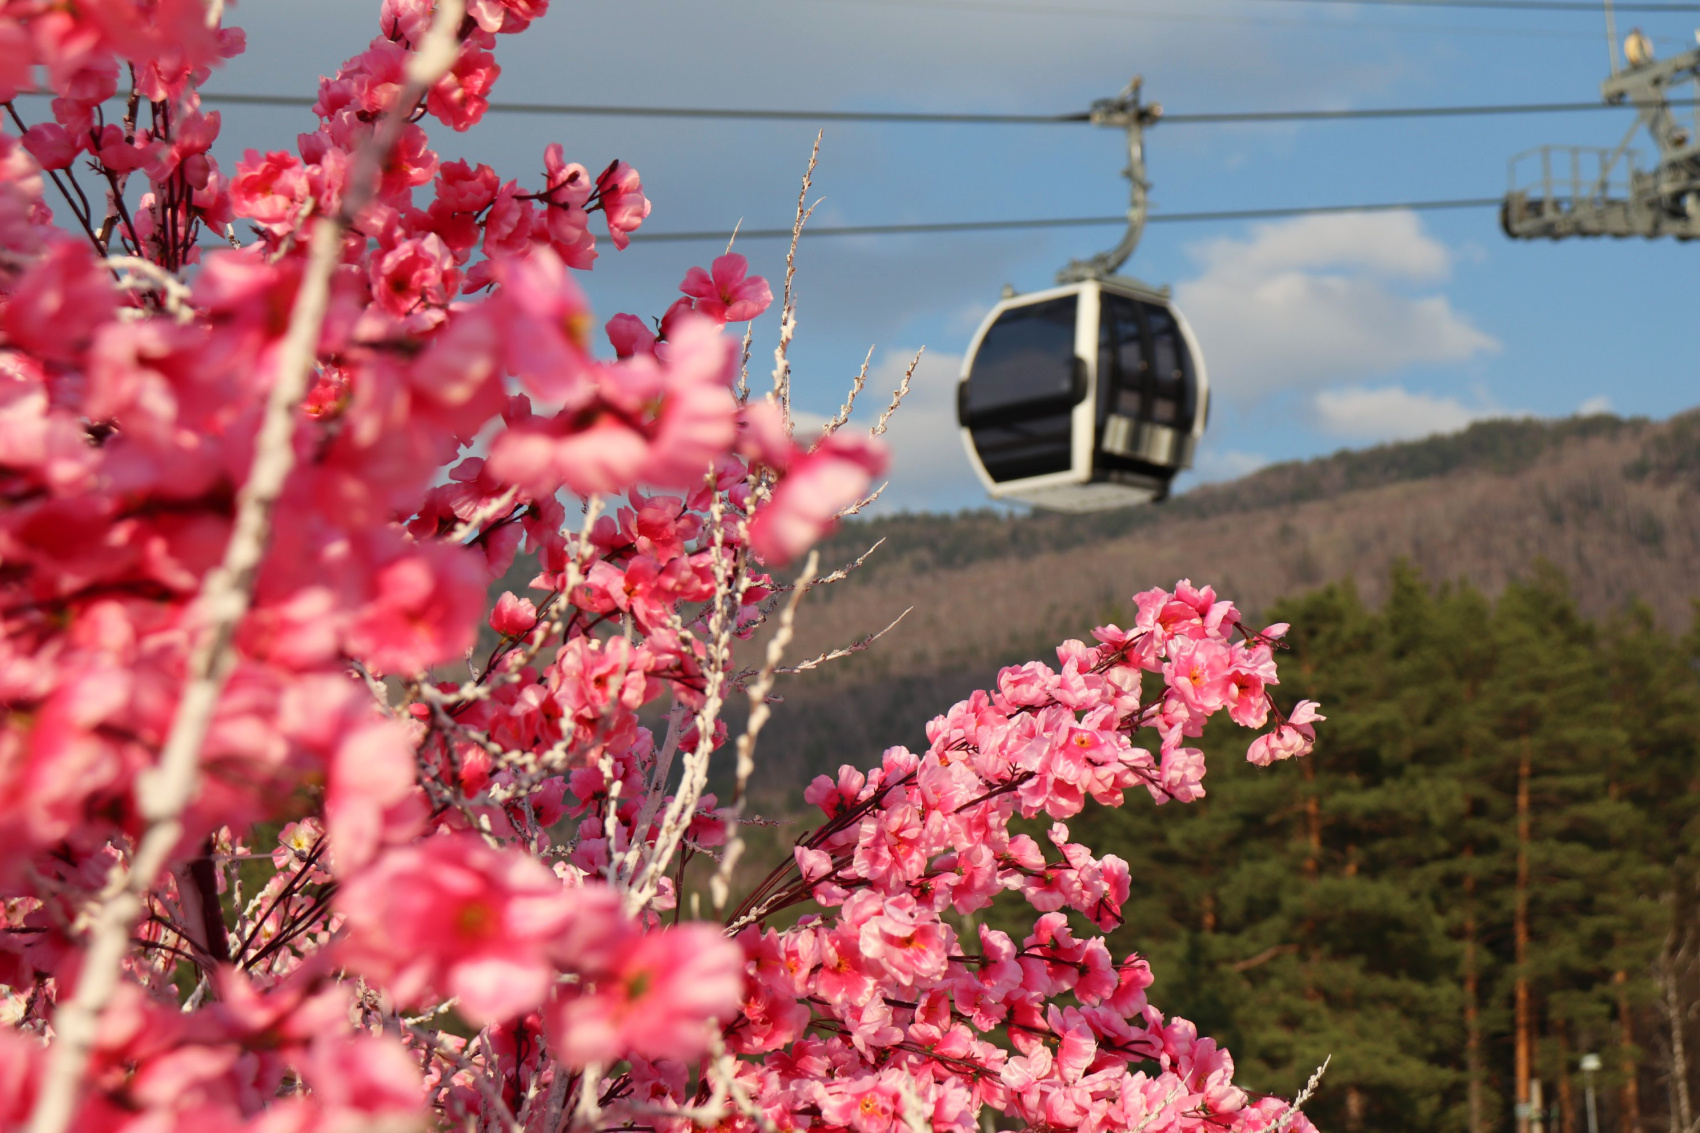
(1087, 396)
(1091, 394)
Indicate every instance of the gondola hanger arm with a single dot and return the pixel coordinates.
(1131, 113)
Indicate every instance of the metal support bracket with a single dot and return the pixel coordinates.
(1128, 112)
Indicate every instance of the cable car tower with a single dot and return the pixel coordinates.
(1559, 191)
(1091, 394)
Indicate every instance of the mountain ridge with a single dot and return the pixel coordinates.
(1613, 503)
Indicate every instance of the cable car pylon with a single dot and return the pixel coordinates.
(1091, 394)
(1561, 191)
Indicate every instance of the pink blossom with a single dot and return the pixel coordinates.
(597, 450)
(461, 188)
(807, 500)
(1294, 738)
(908, 943)
(546, 335)
(452, 917)
(461, 97)
(16, 58)
(364, 1080)
(371, 787)
(872, 1104)
(52, 145)
(414, 274)
(623, 202)
(506, 16)
(416, 617)
(568, 183)
(62, 298)
(513, 615)
(269, 190)
(659, 1001)
(730, 295)
(1198, 671)
(697, 419)
(629, 336)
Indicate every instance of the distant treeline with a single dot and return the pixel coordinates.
(1486, 870)
(1501, 447)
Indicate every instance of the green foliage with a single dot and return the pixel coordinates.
(1333, 905)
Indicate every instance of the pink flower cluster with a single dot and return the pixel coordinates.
(473, 911)
(886, 995)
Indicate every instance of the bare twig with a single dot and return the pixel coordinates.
(141, 275)
(1154, 1114)
(164, 791)
(844, 410)
(743, 387)
(730, 578)
(845, 572)
(719, 887)
(788, 309)
(1263, 957)
(915, 1112)
(845, 650)
(897, 395)
(865, 502)
(1289, 1114)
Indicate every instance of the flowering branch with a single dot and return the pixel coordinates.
(165, 790)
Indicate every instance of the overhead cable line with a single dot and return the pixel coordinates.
(1052, 9)
(1649, 7)
(217, 98)
(1066, 222)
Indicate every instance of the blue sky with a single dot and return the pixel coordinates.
(1320, 332)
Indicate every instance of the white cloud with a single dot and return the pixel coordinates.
(1213, 464)
(1594, 405)
(1393, 413)
(1324, 299)
(929, 469)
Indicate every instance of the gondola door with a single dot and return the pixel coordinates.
(1024, 400)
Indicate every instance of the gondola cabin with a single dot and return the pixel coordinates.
(1087, 396)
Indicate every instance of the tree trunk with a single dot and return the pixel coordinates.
(1520, 940)
(1472, 1011)
(1313, 822)
(1566, 1096)
(1626, 1032)
(1684, 1115)
(1313, 866)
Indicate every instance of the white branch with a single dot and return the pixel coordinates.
(845, 650)
(897, 395)
(856, 384)
(1292, 1111)
(759, 712)
(788, 309)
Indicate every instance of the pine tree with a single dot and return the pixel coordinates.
(1365, 902)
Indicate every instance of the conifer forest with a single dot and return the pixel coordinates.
(1484, 873)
